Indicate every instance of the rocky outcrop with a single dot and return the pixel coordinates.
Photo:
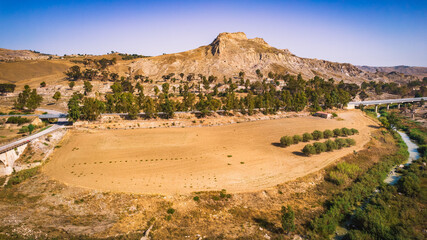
(231, 53)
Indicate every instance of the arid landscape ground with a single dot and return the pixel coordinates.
(238, 157)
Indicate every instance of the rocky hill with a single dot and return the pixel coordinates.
(15, 55)
(231, 53)
(420, 72)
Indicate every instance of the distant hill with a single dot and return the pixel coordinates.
(16, 55)
(231, 53)
(420, 72)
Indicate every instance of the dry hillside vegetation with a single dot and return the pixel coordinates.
(33, 72)
(239, 158)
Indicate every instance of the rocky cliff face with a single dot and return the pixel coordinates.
(231, 53)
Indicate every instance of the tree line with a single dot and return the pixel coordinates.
(296, 95)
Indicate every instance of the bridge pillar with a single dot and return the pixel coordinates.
(388, 107)
(376, 108)
(398, 106)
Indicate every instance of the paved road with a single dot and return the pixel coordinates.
(387, 101)
(36, 135)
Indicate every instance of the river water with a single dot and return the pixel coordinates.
(393, 177)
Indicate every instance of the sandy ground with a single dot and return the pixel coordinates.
(238, 157)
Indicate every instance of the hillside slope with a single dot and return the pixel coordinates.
(420, 72)
(231, 53)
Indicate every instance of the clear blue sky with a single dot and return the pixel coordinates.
(379, 33)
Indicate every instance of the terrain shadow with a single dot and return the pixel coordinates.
(268, 225)
(373, 126)
(276, 144)
(299, 153)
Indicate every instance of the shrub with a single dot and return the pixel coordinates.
(297, 139)
(307, 137)
(328, 134)
(286, 141)
(354, 131)
(330, 145)
(337, 177)
(341, 142)
(351, 170)
(422, 150)
(196, 198)
(320, 147)
(337, 132)
(350, 142)
(288, 219)
(309, 150)
(171, 211)
(17, 120)
(317, 135)
(410, 185)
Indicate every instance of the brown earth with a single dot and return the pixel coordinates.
(238, 157)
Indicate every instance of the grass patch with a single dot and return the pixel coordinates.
(21, 176)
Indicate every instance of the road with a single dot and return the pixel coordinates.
(36, 135)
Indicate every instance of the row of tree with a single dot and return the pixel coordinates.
(295, 96)
(329, 145)
(286, 141)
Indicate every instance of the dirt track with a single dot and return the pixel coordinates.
(238, 157)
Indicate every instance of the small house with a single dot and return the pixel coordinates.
(323, 115)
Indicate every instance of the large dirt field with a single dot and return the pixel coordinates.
(238, 157)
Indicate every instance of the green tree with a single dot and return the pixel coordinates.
(43, 84)
(328, 134)
(307, 137)
(309, 150)
(91, 109)
(320, 147)
(7, 88)
(337, 132)
(71, 84)
(74, 73)
(317, 135)
(297, 139)
(87, 87)
(74, 109)
(286, 141)
(330, 145)
(288, 219)
(57, 96)
(31, 128)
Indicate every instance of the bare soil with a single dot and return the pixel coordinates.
(239, 157)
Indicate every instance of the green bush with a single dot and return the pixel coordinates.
(17, 120)
(338, 178)
(320, 147)
(410, 185)
(297, 139)
(307, 137)
(354, 131)
(341, 142)
(317, 135)
(328, 134)
(171, 211)
(351, 170)
(350, 141)
(337, 132)
(309, 150)
(330, 145)
(286, 141)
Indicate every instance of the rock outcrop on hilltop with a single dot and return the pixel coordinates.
(231, 53)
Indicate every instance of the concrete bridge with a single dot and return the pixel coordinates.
(352, 105)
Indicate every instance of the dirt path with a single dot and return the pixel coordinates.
(238, 157)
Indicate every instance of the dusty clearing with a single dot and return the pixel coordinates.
(238, 157)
